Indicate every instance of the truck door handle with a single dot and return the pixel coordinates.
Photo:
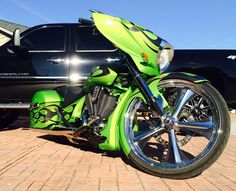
(110, 60)
(56, 60)
(232, 57)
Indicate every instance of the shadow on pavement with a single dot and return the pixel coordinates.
(21, 122)
(86, 146)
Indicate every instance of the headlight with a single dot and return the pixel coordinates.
(165, 55)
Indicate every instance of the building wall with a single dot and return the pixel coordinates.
(3, 39)
(7, 29)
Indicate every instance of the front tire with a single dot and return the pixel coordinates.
(200, 114)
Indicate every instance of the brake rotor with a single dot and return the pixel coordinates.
(194, 110)
(185, 116)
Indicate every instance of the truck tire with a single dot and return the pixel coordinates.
(7, 116)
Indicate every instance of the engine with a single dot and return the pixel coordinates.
(100, 103)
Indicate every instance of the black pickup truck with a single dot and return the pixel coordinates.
(57, 55)
(218, 66)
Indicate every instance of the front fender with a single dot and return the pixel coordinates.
(153, 85)
(183, 76)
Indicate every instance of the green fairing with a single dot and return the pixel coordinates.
(96, 73)
(114, 129)
(132, 39)
(77, 112)
(153, 87)
(97, 77)
(111, 130)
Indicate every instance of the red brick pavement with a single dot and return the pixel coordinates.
(233, 118)
(33, 161)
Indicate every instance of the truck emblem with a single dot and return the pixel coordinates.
(232, 57)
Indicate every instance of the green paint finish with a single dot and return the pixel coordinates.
(136, 94)
(189, 74)
(156, 92)
(97, 78)
(200, 81)
(132, 39)
(77, 112)
(136, 128)
(46, 96)
(123, 141)
(45, 115)
(37, 115)
(96, 73)
(44, 112)
(69, 109)
(185, 76)
(67, 116)
(150, 35)
(111, 130)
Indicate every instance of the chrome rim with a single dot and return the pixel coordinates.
(185, 138)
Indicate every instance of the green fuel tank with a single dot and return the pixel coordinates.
(101, 75)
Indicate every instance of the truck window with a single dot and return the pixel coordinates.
(90, 39)
(45, 39)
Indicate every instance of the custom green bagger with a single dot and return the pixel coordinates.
(172, 125)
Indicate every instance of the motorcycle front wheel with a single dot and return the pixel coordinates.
(190, 144)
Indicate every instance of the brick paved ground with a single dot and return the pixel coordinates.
(33, 161)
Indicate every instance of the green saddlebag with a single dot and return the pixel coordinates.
(43, 110)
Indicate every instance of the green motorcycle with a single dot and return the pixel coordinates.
(172, 125)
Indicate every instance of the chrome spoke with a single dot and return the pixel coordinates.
(174, 155)
(204, 133)
(201, 125)
(183, 98)
(144, 135)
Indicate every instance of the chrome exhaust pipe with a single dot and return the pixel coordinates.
(14, 105)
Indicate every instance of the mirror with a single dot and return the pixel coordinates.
(16, 45)
(16, 38)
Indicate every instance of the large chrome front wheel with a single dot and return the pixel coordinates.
(188, 141)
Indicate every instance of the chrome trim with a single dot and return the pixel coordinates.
(174, 146)
(149, 134)
(41, 77)
(168, 50)
(195, 125)
(56, 60)
(111, 60)
(186, 96)
(14, 105)
(180, 160)
(38, 51)
(33, 77)
(47, 26)
(96, 50)
(232, 57)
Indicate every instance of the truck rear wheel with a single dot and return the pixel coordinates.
(7, 116)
